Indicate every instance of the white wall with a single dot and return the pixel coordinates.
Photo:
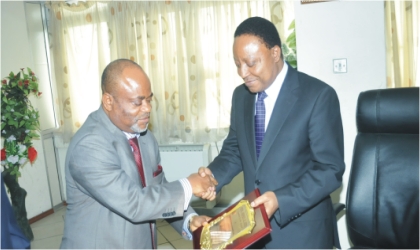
(18, 52)
(354, 30)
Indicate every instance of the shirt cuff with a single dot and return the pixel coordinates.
(187, 192)
(186, 227)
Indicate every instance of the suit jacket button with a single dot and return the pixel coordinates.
(258, 182)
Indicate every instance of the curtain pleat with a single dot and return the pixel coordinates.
(402, 43)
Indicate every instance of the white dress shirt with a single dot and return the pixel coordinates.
(272, 93)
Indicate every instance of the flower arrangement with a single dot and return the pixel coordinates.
(19, 120)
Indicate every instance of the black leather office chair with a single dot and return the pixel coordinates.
(382, 207)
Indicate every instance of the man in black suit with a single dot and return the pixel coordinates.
(301, 151)
(11, 234)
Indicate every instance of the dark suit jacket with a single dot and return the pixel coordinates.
(11, 234)
(301, 159)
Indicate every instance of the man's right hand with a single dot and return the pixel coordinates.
(204, 172)
(203, 186)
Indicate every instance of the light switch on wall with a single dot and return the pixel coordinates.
(340, 65)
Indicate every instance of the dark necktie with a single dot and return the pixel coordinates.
(137, 157)
(259, 121)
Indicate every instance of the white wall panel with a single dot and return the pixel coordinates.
(15, 54)
(354, 30)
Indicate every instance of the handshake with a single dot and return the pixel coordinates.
(203, 184)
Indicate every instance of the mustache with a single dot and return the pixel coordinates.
(248, 79)
(144, 116)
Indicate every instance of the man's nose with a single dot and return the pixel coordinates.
(146, 106)
(243, 71)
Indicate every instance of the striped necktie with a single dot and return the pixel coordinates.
(259, 121)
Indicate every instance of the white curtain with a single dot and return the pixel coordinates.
(185, 47)
(402, 43)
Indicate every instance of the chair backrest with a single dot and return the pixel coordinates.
(382, 208)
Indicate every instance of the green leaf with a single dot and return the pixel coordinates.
(293, 63)
(33, 135)
(292, 45)
(291, 37)
(21, 123)
(292, 25)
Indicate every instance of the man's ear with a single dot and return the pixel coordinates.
(276, 53)
(107, 101)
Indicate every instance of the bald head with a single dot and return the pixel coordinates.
(126, 95)
(113, 72)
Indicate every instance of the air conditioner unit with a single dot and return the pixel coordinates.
(179, 161)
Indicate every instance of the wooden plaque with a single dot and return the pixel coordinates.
(237, 227)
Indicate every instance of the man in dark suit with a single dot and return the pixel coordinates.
(11, 234)
(296, 158)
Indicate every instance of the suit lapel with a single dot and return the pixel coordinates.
(249, 112)
(128, 163)
(284, 104)
(145, 147)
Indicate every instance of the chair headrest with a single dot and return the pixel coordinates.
(388, 111)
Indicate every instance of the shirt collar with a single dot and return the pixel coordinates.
(274, 89)
(131, 135)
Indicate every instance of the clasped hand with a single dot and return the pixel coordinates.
(203, 185)
(268, 198)
(198, 221)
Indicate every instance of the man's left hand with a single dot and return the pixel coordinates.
(270, 202)
(198, 221)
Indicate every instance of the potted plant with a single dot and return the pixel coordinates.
(19, 126)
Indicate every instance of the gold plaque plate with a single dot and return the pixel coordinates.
(222, 231)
